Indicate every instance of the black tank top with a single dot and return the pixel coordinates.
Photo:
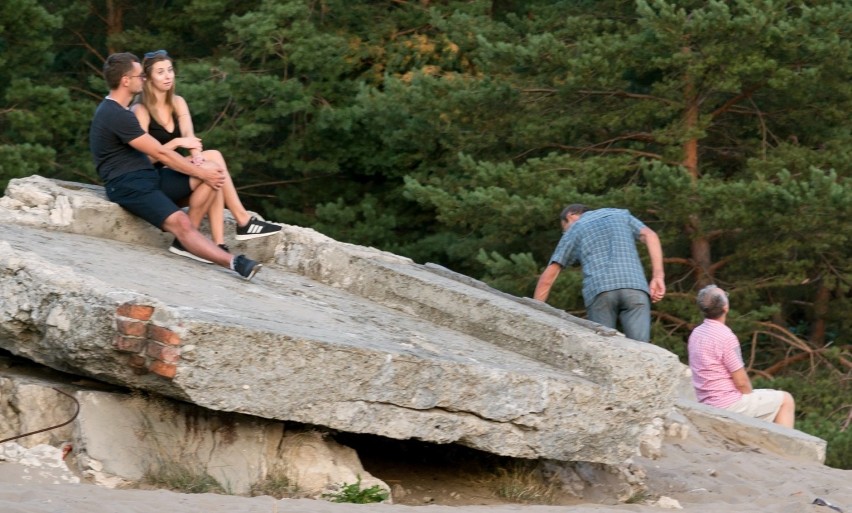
(159, 133)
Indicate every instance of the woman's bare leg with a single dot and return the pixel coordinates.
(202, 197)
(216, 217)
(229, 191)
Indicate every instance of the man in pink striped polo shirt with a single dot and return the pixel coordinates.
(718, 372)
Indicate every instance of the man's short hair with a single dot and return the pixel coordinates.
(712, 301)
(116, 66)
(574, 208)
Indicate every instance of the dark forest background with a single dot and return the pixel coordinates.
(454, 132)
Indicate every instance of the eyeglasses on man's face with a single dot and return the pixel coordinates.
(142, 76)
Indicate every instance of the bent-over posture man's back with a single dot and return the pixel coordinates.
(119, 147)
(614, 288)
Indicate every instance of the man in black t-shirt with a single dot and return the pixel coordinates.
(120, 150)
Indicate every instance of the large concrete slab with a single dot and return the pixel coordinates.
(328, 333)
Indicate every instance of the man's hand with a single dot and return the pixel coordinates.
(658, 289)
(657, 285)
(212, 175)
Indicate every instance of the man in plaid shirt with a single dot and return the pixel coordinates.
(718, 372)
(603, 242)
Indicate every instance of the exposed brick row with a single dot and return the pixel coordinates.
(153, 348)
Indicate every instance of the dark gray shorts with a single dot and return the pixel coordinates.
(151, 195)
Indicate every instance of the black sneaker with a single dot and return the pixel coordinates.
(246, 267)
(178, 249)
(224, 248)
(256, 228)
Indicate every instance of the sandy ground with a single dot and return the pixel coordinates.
(700, 473)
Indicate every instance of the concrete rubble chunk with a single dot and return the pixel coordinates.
(329, 334)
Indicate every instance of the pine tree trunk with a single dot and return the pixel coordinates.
(700, 245)
(821, 302)
(114, 20)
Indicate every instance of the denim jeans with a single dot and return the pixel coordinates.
(630, 306)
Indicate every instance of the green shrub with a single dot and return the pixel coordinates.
(352, 493)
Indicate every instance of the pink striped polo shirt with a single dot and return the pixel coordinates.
(714, 353)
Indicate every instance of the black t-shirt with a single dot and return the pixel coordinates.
(112, 128)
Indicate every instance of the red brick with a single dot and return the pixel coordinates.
(131, 328)
(162, 352)
(139, 312)
(165, 370)
(129, 344)
(164, 335)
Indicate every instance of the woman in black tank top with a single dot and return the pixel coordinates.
(166, 117)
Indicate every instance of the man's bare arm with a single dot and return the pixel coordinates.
(545, 281)
(210, 175)
(741, 381)
(655, 251)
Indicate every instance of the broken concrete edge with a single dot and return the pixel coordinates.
(527, 301)
(74, 208)
(752, 432)
(81, 208)
(145, 331)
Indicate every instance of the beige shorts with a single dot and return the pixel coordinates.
(762, 403)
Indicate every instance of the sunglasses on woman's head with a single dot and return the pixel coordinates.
(151, 55)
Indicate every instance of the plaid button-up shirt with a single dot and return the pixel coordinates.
(603, 242)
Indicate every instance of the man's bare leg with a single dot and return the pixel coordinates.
(179, 225)
(787, 413)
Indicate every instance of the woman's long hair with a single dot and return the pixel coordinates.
(148, 98)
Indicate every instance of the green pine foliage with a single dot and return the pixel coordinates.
(455, 131)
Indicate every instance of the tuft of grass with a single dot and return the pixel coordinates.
(640, 497)
(276, 485)
(352, 493)
(182, 478)
(522, 482)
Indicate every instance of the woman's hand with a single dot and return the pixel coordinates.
(189, 143)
